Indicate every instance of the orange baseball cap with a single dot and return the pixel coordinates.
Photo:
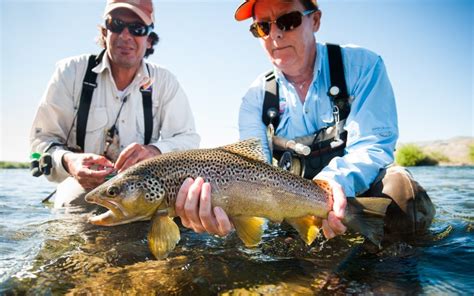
(244, 11)
(142, 8)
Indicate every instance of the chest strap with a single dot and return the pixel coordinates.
(271, 101)
(88, 86)
(147, 111)
(338, 90)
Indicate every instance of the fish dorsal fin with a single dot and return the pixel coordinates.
(307, 227)
(163, 235)
(251, 148)
(249, 229)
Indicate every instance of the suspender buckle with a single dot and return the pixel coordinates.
(90, 85)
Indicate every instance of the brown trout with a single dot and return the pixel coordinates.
(242, 183)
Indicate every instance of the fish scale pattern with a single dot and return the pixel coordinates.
(165, 174)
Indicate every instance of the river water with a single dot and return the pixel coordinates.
(47, 251)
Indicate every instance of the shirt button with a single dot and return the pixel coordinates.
(123, 120)
(121, 146)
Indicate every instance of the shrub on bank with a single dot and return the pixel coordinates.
(14, 165)
(412, 155)
(471, 153)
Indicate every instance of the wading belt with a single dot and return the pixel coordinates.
(321, 143)
(88, 86)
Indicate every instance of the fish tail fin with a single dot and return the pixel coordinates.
(163, 235)
(249, 229)
(307, 227)
(366, 216)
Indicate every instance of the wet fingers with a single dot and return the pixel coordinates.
(223, 223)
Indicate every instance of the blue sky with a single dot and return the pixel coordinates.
(427, 47)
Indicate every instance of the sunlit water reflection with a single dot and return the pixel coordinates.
(46, 251)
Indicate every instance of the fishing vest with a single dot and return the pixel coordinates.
(88, 86)
(324, 144)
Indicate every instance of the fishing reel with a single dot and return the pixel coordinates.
(41, 164)
(289, 162)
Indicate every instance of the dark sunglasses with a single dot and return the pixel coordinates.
(286, 22)
(136, 29)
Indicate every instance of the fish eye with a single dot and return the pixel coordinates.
(112, 191)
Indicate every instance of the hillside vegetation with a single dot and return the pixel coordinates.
(455, 151)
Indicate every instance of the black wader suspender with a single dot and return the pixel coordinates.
(147, 111)
(338, 90)
(271, 102)
(88, 86)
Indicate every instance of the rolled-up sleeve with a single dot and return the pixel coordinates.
(54, 118)
(372, 133)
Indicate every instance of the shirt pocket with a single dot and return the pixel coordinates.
(95, 132)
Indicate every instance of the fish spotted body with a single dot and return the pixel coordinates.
(247, 188)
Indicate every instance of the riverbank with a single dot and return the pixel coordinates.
(14, 165)
(458, 151)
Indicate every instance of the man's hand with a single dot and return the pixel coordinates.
(89, 169)
(332, 226)
(133, 154)
(193, 206)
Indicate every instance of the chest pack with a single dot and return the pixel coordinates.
(88, 86)
(308, 155)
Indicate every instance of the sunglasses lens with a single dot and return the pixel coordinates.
(260, 30)
(138, 29)
(286, 22)
(117, 26)
(289, 21)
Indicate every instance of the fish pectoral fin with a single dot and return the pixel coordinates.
(163, 236)
(366, 216)
(249, 229)
(307, 227)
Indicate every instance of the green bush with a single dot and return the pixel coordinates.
(13, 165)
(440, 157)
(471, 153)
(412, 155)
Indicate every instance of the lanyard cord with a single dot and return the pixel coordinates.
(111, 131)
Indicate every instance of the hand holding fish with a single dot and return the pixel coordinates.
(133, 154)
(332, 226)
(88, 169)
(193, 206)
(245, 190)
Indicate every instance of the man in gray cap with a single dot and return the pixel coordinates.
(102, 114)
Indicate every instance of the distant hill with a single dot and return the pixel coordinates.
(454, 151)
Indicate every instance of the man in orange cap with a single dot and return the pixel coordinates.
(102, 114)
(338, 102)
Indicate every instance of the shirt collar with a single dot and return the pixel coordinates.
(142, 77)
(317, 66)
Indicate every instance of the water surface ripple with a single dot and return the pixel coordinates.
(47, 251)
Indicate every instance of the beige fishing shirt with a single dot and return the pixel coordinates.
(173, 122)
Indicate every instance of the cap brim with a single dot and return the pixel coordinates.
(244, 11)
(145, 18)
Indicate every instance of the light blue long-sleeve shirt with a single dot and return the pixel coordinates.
(371, 125)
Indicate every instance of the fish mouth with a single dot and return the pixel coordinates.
(116, 214)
